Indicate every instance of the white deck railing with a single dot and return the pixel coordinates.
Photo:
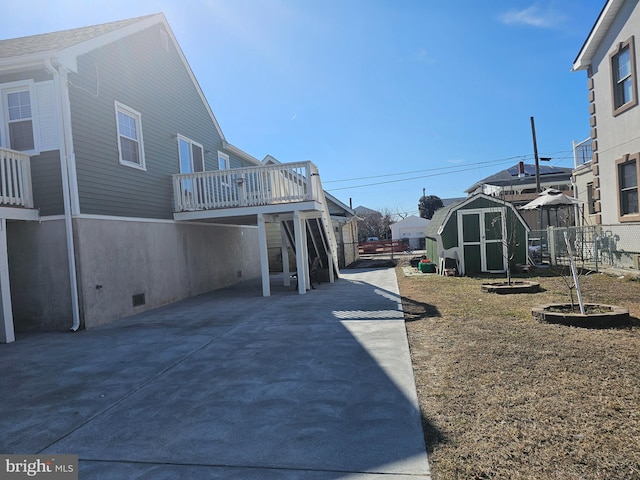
(246, 187)
(15, 179)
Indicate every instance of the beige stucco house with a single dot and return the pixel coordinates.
(608, 183)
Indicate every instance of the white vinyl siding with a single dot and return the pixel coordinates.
(47, 118)
(130, 145)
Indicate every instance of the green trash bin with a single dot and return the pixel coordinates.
(427, 267)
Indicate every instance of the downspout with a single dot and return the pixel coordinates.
(66, 147)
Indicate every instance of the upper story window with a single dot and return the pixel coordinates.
(223, 161)
(623, 77)
(130, 144)
(627, 174)
(191, 155)
(591, 203)
(17, 113)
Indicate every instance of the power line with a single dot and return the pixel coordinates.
(521, 157)
(449, 170)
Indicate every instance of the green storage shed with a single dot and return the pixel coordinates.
(480, 234)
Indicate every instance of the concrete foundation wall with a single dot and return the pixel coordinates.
(117, 259)
(39, 275)
(165, 262)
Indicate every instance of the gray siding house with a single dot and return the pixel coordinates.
(119, 192)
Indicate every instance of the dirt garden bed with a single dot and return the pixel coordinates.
(504, 396)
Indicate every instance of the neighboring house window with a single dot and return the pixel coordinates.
(223, 161)
(623, 77)
(591, 203)
(191, 157)
(130, 143)
(18, 118)
(627, 170)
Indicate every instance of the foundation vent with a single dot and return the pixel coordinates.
(138, 299)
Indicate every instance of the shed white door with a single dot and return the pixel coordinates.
(481, 233)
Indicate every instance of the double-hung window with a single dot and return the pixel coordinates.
(130, 145)
(627, 173)
(623, 77)
(18, 118)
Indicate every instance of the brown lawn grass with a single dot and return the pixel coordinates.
(506, 397)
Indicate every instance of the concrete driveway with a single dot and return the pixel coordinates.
(228, 385)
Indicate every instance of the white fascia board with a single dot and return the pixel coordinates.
(68, 56)
(25, 62)
(599, 30)
(340, 204)
(241, 153)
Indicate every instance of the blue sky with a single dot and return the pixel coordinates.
(386, 97)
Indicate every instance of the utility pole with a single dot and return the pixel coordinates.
(535, 154)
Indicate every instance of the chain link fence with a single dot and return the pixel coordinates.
(596, 247)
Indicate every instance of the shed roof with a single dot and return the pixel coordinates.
(438, 219)
(441, 216)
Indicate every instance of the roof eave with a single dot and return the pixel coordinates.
(25, 62)
(598, 31)
(241, 153)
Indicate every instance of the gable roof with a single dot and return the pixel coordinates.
(441, 216)
(63, 47)
(597, 33)
(364, 211)
(510, 176)
(47, 42)
(412, 219)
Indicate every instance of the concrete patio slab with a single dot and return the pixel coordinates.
(227, 385)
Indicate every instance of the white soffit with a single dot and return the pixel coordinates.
(599, 30)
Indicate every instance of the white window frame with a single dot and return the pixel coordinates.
(130, 112)
(14, 87)
(191, 145)
(225, 158)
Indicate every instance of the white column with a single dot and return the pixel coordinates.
(285, 256)
(6, 333)
(330, 265)
(264, 256)
(302, 264)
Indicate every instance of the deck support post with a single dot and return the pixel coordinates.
(285, 257)
(7, 334)
(302, 263)
(264, 256)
